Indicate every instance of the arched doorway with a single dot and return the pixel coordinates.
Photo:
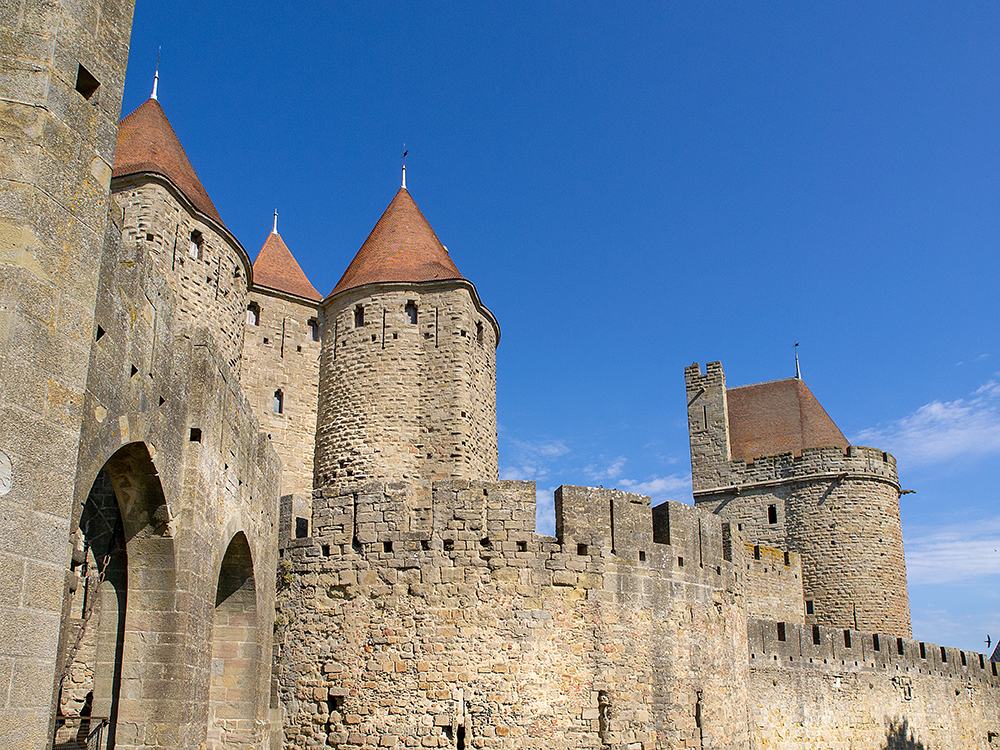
(118, 611)
(235, 652)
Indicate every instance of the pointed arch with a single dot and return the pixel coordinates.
(235, 651)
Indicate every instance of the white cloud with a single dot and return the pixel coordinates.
(612, 471)
(545, 511)
(950, 554)
(676, 487)
(942, 430)
(532, 460)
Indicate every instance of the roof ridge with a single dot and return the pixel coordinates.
(764, 382)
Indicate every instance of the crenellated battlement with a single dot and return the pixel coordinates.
(832, 463)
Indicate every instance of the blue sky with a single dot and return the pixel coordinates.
(636, 187)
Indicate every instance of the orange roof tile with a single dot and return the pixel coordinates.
(401, 247)
(276, 268)
(780, 416)
(147, 143)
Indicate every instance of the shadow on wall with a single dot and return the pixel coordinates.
(900, 737)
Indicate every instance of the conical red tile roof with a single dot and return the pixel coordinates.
(401, 247)
(276, 268)
(147, 143)
(781, 416)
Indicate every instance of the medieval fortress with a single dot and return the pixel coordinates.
(235, 513)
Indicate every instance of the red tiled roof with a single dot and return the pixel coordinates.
(147, 143)
(276, 268)
(781, 416)
(401, 247)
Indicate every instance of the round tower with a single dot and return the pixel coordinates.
(768, 458)
(167, 210)
(408, 364)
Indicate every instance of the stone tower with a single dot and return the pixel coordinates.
(768, 458)
(408, 364)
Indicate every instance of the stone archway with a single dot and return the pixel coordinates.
(235, 652)
(122, 624)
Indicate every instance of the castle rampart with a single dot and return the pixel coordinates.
(452, 624)
(874, 690)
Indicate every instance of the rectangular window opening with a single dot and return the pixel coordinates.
(788, 560)
(387, 546)
(522, 546)
(772, 514)
(642, 556)
(195, 436)
(899, 646)
(944, 656)
(326, 550)
(816, 639)
(781, 631)
(301, 528)
(581, 549)
(359, 316)
(923, 651)
(847, 639)
(196, 245)
(756, 552)
(875, 643)
(809, 607)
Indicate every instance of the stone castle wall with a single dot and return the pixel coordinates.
(210, 281)
(773, 584)
(450, 623)
(815, 687)
(404, 401)
(280, 353)
(58, 138)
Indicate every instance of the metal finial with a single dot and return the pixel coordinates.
(798, 372)
(156, 75)
(405, 152)
(275, 229)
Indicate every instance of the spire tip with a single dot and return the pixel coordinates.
(274, 230)
(156, 75)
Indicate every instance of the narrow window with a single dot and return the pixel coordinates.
(195, 436)
(923, 651)
(642, 556)
(479, 333)
(411, 312)
(962, 654)
(197, 244)
(772, 514)
(326, 550)
(809, 606)
(899, 646)
(278, 405)
(86, 84)
(313, 329)
(781, 631)
(788, 560)
(756, 552)
(816, 635)
(301, 528)
(359, 316)
(581, 549)
(847, 639)
(944, 656)
(253, 314)
(875, 642)
(522, 546)
(387, 546)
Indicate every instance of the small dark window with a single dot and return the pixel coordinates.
(680, 562)
(195, 436)
(788, 560)
(359, 316)
(875, 642)
(847, 639)
(816, 635)
(149, 237)
(86, 84)
(313, 329)
(772, 513)
(899, 646)
(278, 404)
(581, 549)
(756, 552)
(326, 550)
(522, 546)
(253, 314)
(387, 546)
(944, 656)
(301, 528)
(298, 348)
(411, 312)
(923, 651)
(479, 333)
(197, 244)
(449, 545)
(642, 556)
(100, 334)
(962, 654)
(993, 668)
(809, 606)
(425, 545)
(781, 631)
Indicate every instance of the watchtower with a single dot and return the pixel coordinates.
(768, 458)
(407, 364)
